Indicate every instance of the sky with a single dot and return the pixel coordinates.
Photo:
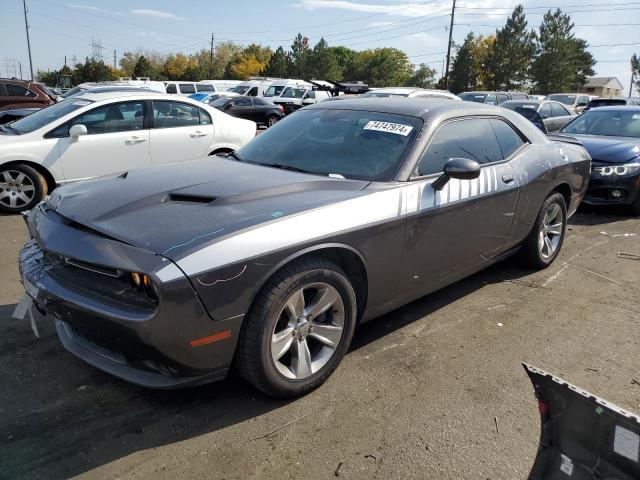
(419, 27)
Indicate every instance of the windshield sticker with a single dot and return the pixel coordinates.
(81, 103)
(529, 106)
(566, 465)
(479, 96)
(396, 128)
(636, 116)
(626, 443)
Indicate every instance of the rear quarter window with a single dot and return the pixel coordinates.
(508, 139)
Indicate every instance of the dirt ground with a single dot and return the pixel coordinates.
(419, 395)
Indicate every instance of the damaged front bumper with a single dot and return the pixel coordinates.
(79, 277)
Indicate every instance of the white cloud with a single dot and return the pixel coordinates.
(91, 8)
(143, 12)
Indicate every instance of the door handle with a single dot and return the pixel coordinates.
(134, 140)
(198, 134)
(507, 178)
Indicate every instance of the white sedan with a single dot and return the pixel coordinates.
(96, 134)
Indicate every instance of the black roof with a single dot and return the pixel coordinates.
(411, 106)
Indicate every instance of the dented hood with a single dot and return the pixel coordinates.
(174, 209)
(583, 437)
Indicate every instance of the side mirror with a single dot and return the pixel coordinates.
(460, 168)
(77, 131)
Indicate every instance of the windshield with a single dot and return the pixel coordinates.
(73, 91)
(473, 97)
(290, 92)
(47, 115)
(273, 91)
(562, 98)
(221, 102)
(355, 144)
(514, 105)
(610, 123)
(373, 93)
(241, 89)
(606, 102)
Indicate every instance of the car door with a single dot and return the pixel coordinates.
(241, 108)
(117, 140)
(179, 131)
(560, 116)
(456, 230)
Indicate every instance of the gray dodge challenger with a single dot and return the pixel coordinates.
(268, 258)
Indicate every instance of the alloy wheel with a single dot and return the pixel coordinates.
(272, 121)
(308, 331)
(16, 189)
(551, 231)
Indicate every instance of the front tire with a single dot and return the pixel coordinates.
(299, 328)
(21, 188)
(544, 242)
(272, 120)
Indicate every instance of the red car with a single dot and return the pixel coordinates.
(16, 93)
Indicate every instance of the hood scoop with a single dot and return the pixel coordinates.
(189, 198)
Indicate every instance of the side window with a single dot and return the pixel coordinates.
(205, 118)
(205, 87)
(491, 99)
(253, 92)
(470, 138)
(171, 88)
(243, 102)
(117, 117)
(311, 94)
(167, 114)
(187, 88)
(14, 90)
(508, 138)
(502, 98)
(557, 110)
(545, 110)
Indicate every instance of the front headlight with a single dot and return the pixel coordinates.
(626, 169)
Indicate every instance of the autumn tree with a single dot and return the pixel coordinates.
(423, 77)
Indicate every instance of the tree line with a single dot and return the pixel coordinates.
(516, 57)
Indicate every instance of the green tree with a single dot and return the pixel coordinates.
(278, 65)
(463, 75)
(323, 62)
(142, 68)
(299, 58)
(382, 67)
(423, 77)
(562, 62)
(635, 71)
(92, 71)
(345, 58)
(510, 55)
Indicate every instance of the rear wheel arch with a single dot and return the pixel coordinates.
(220, 151)
(565, 190)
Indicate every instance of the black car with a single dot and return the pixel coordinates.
(612, 102)
(492, 98)
(7, 116)
(554, 114)
(270, 256)
(257, 109)
(612, 136)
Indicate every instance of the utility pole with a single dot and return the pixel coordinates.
(26, 26)
(20, 65)
(631, 83)
(446, 73)
(211, 50)
(114, 58)
(65, 60)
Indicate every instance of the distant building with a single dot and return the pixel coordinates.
(605, 87)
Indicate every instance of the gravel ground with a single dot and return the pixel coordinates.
(419, 395)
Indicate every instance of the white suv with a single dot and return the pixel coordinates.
(95, 134)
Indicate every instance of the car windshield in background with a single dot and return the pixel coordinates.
(374, 94)
(473, 97)
(566, 99)
(610, 123)
(606, 102)
(273, 91)
(221, 102)
(512, 105)
(73, 91)
(293, 93)
(47, 115)
(351, 143)
(241, 89)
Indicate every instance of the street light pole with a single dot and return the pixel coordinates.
(26, 25)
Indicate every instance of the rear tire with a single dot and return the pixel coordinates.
(21, 188)
(543, 244)
(298, 329)
(272, 120)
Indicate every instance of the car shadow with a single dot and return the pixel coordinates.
(61, 417)
(600, 214)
